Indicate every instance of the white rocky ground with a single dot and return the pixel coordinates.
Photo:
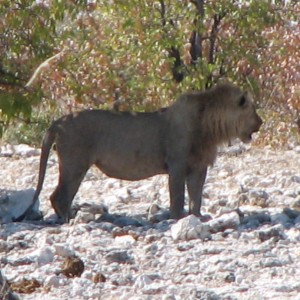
(249, 250)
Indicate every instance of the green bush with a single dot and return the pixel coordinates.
(140, 55)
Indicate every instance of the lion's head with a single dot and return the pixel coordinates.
(248, 121)
(230, 113)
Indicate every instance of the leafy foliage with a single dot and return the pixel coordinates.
(141, 54)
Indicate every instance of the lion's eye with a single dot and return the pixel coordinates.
(243, 100)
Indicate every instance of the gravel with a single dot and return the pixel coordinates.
(121, 245)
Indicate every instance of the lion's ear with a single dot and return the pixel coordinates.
(243, 100)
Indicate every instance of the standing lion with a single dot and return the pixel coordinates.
(180, 141)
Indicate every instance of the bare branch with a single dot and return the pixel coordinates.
(163, 12)
(213, 36)
(42, 67)
(196, 38)
(174, 53)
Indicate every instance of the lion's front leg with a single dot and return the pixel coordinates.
(176, 189)
(195, 181)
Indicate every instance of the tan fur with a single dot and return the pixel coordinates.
(180, 141)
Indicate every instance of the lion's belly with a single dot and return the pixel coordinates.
(131, 175)
(126, 171)
(132, 164)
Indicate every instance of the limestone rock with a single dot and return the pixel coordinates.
(189, 228)
(226, 221)
(14, 203)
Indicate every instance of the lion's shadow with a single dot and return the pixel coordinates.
(141, 223)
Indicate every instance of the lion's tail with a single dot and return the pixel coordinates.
(46, 146)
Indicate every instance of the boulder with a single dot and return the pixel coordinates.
(14, 203)
(189, 228)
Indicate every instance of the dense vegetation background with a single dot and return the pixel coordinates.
(60, 56)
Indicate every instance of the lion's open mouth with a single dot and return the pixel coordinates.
(255, 128)
(247, 138)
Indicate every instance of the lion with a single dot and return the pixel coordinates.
(180, 141)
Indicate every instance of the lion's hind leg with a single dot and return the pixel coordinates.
(70, 179)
